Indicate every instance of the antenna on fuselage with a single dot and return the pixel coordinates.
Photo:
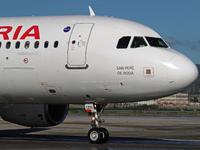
(92, 14)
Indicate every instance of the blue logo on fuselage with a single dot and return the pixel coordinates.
(67, 29)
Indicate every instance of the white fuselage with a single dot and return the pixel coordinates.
(82, 63)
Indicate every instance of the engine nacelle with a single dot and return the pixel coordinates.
(34, 115)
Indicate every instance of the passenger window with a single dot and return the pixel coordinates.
(55, 44)
(17, 45)
(138, 41)
(8, 44)
(46, 44)
(123, 42)
(37, 43)
(27, 44)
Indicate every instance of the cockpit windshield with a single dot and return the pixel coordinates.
(138, 41)
(156, 42)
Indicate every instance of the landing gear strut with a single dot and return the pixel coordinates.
(96, 134)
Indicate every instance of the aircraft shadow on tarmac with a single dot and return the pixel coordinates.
(19, 132)
(30, 134)
(117, 143)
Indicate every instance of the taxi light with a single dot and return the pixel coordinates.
(93, 118)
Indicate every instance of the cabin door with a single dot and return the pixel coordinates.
(77, 48)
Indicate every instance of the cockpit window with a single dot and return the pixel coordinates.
(123, 42)
(156, 42)
(138, 41)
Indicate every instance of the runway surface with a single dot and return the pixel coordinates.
(148, 132)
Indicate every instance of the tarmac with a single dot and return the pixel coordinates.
(140, 132)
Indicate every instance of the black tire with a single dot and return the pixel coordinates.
(105, 135)
(95, 136)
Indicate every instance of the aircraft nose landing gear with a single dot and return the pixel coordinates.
(96, 134)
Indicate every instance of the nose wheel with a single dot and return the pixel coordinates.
(96, 134)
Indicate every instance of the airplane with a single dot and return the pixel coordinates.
(48, 63)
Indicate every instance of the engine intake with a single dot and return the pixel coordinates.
(34, 115)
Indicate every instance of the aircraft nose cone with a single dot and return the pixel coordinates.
(182, 72)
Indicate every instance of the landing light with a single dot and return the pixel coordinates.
(93, 118)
